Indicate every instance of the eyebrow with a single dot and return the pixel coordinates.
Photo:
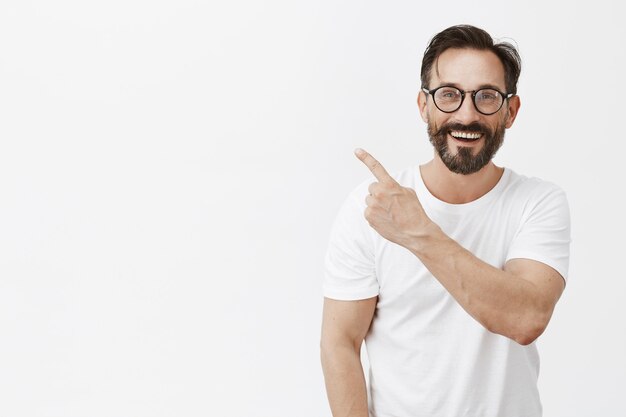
(492, 86)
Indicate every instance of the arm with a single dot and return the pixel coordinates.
(516, 302)
(344, 326)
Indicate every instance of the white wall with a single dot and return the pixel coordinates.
(169, 171)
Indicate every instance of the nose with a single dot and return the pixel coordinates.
(467, 113)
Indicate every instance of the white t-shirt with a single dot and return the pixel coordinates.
(428, 357)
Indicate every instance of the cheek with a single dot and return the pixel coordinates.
(429, 112)
(503, 120)
(438, 119)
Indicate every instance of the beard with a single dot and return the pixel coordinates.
(464, 161)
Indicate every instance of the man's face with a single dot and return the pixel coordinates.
(467, 140)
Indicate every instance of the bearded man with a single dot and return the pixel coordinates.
(449, 271)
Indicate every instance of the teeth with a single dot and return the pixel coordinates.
(466, 135)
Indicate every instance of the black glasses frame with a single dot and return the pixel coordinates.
(505, 96)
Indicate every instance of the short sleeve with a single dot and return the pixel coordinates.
(544, 234)
(349, 267)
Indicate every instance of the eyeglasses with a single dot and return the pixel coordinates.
(449, 99)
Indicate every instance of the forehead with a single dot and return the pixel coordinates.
(468, 69)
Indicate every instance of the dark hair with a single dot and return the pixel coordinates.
(471, 37)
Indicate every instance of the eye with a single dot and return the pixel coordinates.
(448, 94)
(488, 95)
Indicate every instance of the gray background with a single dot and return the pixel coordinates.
(169, 171)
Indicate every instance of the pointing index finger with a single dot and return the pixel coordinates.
(377, 169)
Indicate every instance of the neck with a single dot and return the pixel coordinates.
(457, 188)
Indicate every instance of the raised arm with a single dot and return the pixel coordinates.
(344, 326)
(516, 301)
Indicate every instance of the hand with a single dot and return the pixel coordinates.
(392, 210)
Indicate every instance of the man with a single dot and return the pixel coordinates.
(451, 270)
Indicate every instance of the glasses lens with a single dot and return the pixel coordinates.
(488, 101)
(448, 99)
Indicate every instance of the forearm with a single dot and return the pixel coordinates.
(501, 301)
(345, 382)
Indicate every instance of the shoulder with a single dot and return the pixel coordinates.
(531, 190)
(536, 200)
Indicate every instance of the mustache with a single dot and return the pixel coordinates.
(475, 127)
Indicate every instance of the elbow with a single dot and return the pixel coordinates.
(523, 330)
(323, 355)
(334, 357)
(326, 350)
(527, 338)
(326, 355)
(531, 329)
(334, 351)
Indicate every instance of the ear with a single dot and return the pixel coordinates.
(421, 105)
(514, 104)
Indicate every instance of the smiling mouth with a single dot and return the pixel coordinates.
(465, 136)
